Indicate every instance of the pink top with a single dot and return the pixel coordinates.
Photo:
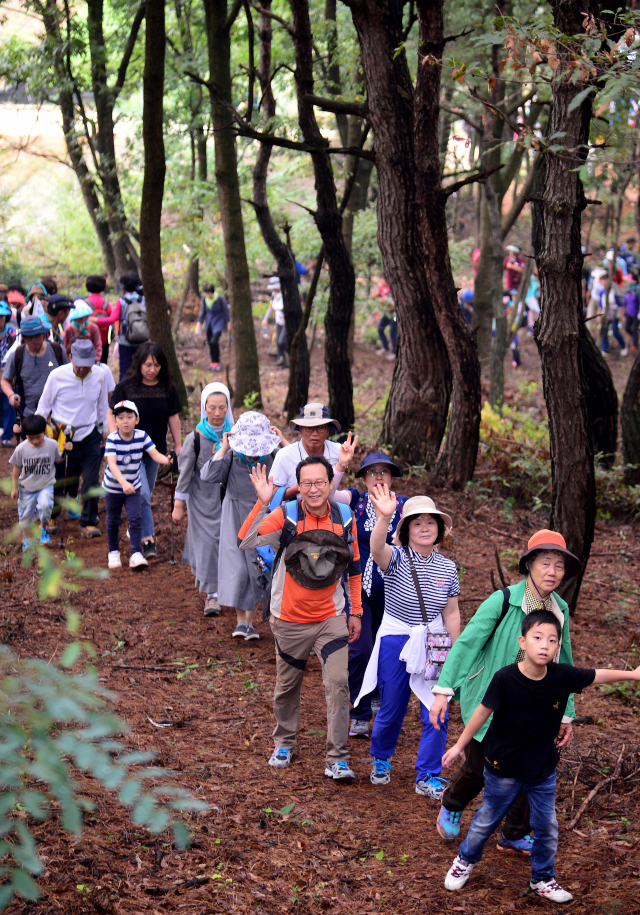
(93, 333)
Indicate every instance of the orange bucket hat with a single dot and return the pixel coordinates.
(550, 540)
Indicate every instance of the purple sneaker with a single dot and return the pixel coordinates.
(523, 845)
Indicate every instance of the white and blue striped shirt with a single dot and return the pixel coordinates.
(438, 577)
(128, 456)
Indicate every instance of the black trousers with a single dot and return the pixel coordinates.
(467, 784)
(84, 461)
(214, 346)
(105, 353)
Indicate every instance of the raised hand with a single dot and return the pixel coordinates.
(347, 450)
(384, 501)
(263, 485)
(277, 432)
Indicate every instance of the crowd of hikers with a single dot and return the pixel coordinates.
(355, 576)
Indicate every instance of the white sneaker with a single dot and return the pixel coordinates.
(459, 873)
(113, 561)
(551, 890)
(625, 351)
(340, 772)
(137, 561)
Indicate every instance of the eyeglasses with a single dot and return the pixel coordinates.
(320, 485)
(376, 473)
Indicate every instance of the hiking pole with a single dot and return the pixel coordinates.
(68, 436)
(172, 560)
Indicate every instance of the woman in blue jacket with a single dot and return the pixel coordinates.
(214, 315)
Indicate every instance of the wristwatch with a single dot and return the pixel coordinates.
(357, 616)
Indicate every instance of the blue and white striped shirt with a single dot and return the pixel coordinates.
(128, 457)
(438, 577)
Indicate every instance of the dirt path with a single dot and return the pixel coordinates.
(357, 849)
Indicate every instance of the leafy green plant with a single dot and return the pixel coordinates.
(251, 401)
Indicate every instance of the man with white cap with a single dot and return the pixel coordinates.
(76, 396)
(315, 426)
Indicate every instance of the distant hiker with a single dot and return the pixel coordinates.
(214, 316)
(203, 500)
(276, 308)
(79, 327)
(251, 442)
(317, 543)
(7, 339)
(131, 312)
(102, 310)
(58, 308)
(149, 384)
(386, 318)
(316, 425)
(75, 395)
(36, 303)
(34, 473)
(124, 449)
(513, 266)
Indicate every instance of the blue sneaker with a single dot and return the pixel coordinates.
(44, 537)
(523, 845)
(448, 823)
(340, 772)
(380, 772)
(280, 757)
(27, 543)
(432, 786)
(73, 516)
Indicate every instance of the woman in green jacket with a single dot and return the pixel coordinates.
(488, 643)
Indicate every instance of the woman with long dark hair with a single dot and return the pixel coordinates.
(149, 384)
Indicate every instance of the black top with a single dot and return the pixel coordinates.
(527, 715)
(155, 405)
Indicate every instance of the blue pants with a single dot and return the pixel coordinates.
(148, 474)
(393, 684)
(360, 652)
(114, 502)
(499, 794)
(384, 322)
(35, 506)
(8, 418)
(615, 330)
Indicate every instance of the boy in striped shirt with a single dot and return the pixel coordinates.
(123, 450)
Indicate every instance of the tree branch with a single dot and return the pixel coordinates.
(252, 62)
(128, 51)
(519, 202)
(452, 188)
(283, 22)
(464, 117)
(336, 106)
(233, 15)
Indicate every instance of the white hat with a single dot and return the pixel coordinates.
(274, 283)
(420, 505)
(314, 414)
(125, 405)
(215, 387)
(513, 248)
(252, 435)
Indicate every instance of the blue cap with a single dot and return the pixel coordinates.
(379, 457)
(467, 295)
(32, 327)
(4, 309)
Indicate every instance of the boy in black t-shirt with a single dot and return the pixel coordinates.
(527, 701)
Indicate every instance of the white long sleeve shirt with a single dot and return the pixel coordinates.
(72, 401)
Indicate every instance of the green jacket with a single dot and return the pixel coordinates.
(468, 670)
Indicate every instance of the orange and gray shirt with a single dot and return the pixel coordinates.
(289, 600)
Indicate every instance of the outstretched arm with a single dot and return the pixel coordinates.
(612, 676)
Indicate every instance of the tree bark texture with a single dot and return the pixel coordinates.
(630, 425)
(247, 369)
(300, 367)
(418, 403)
(458, 460)
(329, 222)
(558, 332)
(153, 190)
(602, 401)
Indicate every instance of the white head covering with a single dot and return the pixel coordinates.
(215, 387)
(253, 435)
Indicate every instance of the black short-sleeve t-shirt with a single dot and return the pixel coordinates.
(527, 715)
(155, 405)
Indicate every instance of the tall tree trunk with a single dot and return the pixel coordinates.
(247, 369)
(630, 425)
(416, 413)
(483, 285)
(560, 326)
(458, 461)
(300, 367)
(602, 400)
(329, 222)
(153, 190)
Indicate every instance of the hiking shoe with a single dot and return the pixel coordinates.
(211, 606)
(623, 352)
(137, 561)
(459, 873)
(550, 890)
(280, 757)
(358, 728)
(432, 786)
(44, 536)
(523, 845)
(149, 550)
(375, 707)
(52, 527)
(240, 631)
(113, 561)
(73, 516)
(380, 772)
(6, 443)
(251, 634)
(448, 823)
(90, 531)
(27, 543)
(340, 772)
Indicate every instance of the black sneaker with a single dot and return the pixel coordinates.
(149, 550)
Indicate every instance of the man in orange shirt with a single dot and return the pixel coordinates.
(312, 616)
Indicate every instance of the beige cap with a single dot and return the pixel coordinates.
(420, 505)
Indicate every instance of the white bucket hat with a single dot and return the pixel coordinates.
(420, 505)
(253, 436)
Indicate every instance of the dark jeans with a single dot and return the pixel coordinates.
(631, 327)
(281, 341)
(499, 794)
(127, 352)
(615, 330)
(384, 322)
(105, 353)
(133, 507)
(360, 652)
(8, 418)
(469, 782)
(84, 460)
(214, 346)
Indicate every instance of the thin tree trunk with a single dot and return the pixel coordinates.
(630, 425)
(602, 401)
(458, 461)
(247, 369)
(329, 222)
(418, 403)
(153, 190)
(190, 283)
